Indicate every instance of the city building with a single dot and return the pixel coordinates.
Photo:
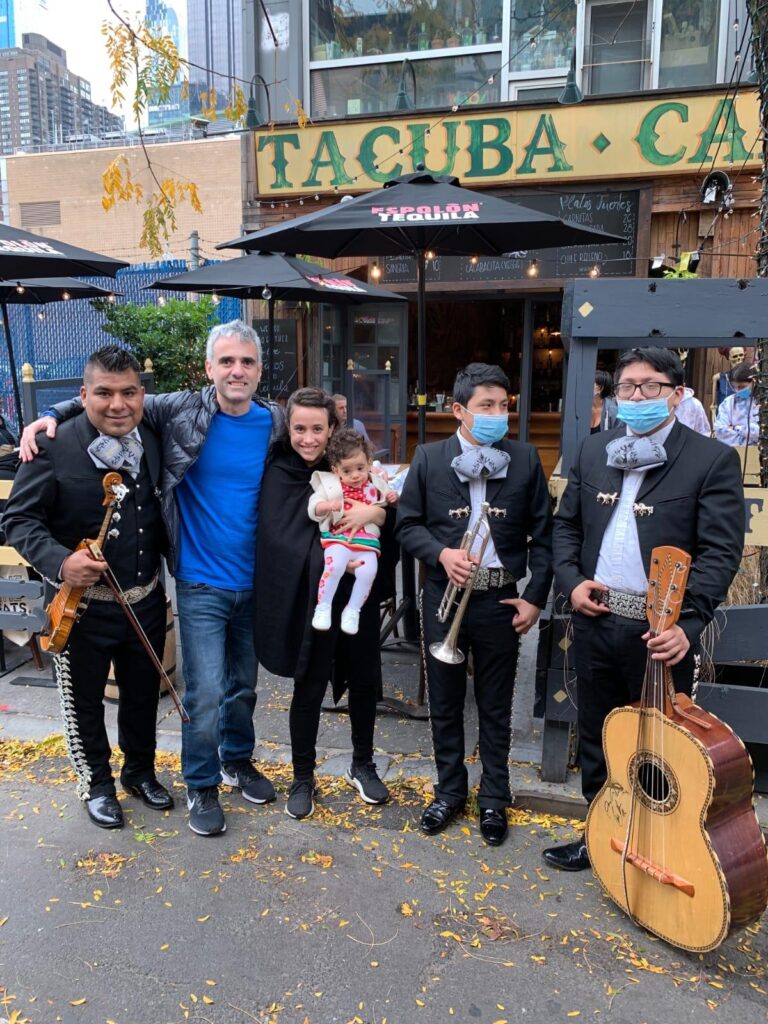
(610, 112)
(214, 33)
(169, 18)
(44, 104)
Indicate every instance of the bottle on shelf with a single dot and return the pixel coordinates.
(467, 35)
(481, 36)
(422, 40)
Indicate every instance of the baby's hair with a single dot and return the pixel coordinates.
(345, 442)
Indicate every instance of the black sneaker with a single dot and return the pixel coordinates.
(300, 803)
(206, 817)
(366, 781)
(252, 784)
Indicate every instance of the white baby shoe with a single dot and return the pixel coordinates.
(350, 621)
(322, 618)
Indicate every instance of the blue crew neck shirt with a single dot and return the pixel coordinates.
(219, 502)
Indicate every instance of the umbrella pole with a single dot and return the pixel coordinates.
(12, 363)
(421, 344)
(271, 372)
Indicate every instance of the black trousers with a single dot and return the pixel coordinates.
(486, 632)
(101, 636)
(610, 660)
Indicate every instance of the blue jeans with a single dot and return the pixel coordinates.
(220, 670)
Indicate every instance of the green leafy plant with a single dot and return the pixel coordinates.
(172, 335)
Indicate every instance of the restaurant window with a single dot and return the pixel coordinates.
(373, 88)
(617, 52)
(376, 334)
(689, 34)
(542, 35)
(365, 28)
(535, 92)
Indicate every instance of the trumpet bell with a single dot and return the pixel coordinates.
(446, 652)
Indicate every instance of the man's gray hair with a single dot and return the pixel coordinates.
(234, 329)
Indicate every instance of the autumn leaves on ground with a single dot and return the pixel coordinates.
(350, 916)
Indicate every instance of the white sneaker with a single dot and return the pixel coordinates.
(350, 621)
(322, 618)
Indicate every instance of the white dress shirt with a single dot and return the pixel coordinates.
(620, 563)
(476, 498)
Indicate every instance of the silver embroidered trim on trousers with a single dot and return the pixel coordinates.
(74, 743)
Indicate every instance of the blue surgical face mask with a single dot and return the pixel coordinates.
(744, 395)
(486, 429)
(645, 416)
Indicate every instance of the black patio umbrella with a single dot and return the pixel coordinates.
(38, 291)
(413, 214)
(26, 255)
(274, 276)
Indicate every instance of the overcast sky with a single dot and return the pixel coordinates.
(75, 25)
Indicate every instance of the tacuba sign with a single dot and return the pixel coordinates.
(613, 139)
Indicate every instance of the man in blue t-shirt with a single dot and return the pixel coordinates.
(215, 443)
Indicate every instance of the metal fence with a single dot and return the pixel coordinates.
(57, 338)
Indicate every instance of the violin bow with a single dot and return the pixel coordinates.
(114, 586)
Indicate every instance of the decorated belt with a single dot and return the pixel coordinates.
(132, 596)
(630, 606)
(489, 579)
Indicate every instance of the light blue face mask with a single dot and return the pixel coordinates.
(744, 395)
(487, 429)
(645, 416)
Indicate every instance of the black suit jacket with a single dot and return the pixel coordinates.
(522, 536)
(56, 500)
(698, 505)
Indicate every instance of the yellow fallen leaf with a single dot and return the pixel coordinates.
(165, 945)
(202, 920)
(78, 1002)
(505, 1021)
(2, 921)
(209, 982)
(207, 1000)
(374, 963)
(406, 909)
(465, 830)
(420, 1002)
(573, 1013)
(450, 935)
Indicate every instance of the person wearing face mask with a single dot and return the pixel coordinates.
(738, 417)
(441, 501)
(652, 481)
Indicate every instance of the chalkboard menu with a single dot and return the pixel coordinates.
(284, 365)
(613, 211)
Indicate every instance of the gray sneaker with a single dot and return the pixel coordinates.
(366, 781)
(206, 817)
(300, 803)
(252, 784)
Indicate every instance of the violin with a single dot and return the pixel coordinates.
(65, 607)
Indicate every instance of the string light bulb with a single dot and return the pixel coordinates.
(20, 289)
(112, 298)
(66, 296)
(266, 293)
(375, 271)
(430, 254)
(533, 269)
(214, 298)
(473, 260)
(161, 300)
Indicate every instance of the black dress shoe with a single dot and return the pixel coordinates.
(105, 811)
(569, 856)
(493, 825)
(152, 793)
(438, 814)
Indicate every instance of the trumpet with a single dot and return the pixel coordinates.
(447, 649)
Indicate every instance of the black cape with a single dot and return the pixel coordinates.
(289, 563)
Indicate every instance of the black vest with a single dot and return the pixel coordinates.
(135, 539)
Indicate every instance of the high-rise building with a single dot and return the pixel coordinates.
(7, 24)
(215, 44)
(169, 17)
(43, 103)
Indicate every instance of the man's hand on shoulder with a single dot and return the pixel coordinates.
(28, 445)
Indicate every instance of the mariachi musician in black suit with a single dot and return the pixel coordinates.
(441, 501)
(650, 482)
(56, 502)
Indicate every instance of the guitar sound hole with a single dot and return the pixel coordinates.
(653, 782)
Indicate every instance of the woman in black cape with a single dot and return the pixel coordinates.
(289, 563)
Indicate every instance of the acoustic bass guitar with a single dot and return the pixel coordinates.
(672, 836)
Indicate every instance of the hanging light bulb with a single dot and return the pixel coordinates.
(375, 271)
(161, 300)
(214, 298)
(66, 296)
(594, 270)
(112, 297)
(430, 254)
(20, 289)
(266, 293)
(533, 269)
(473, 260)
